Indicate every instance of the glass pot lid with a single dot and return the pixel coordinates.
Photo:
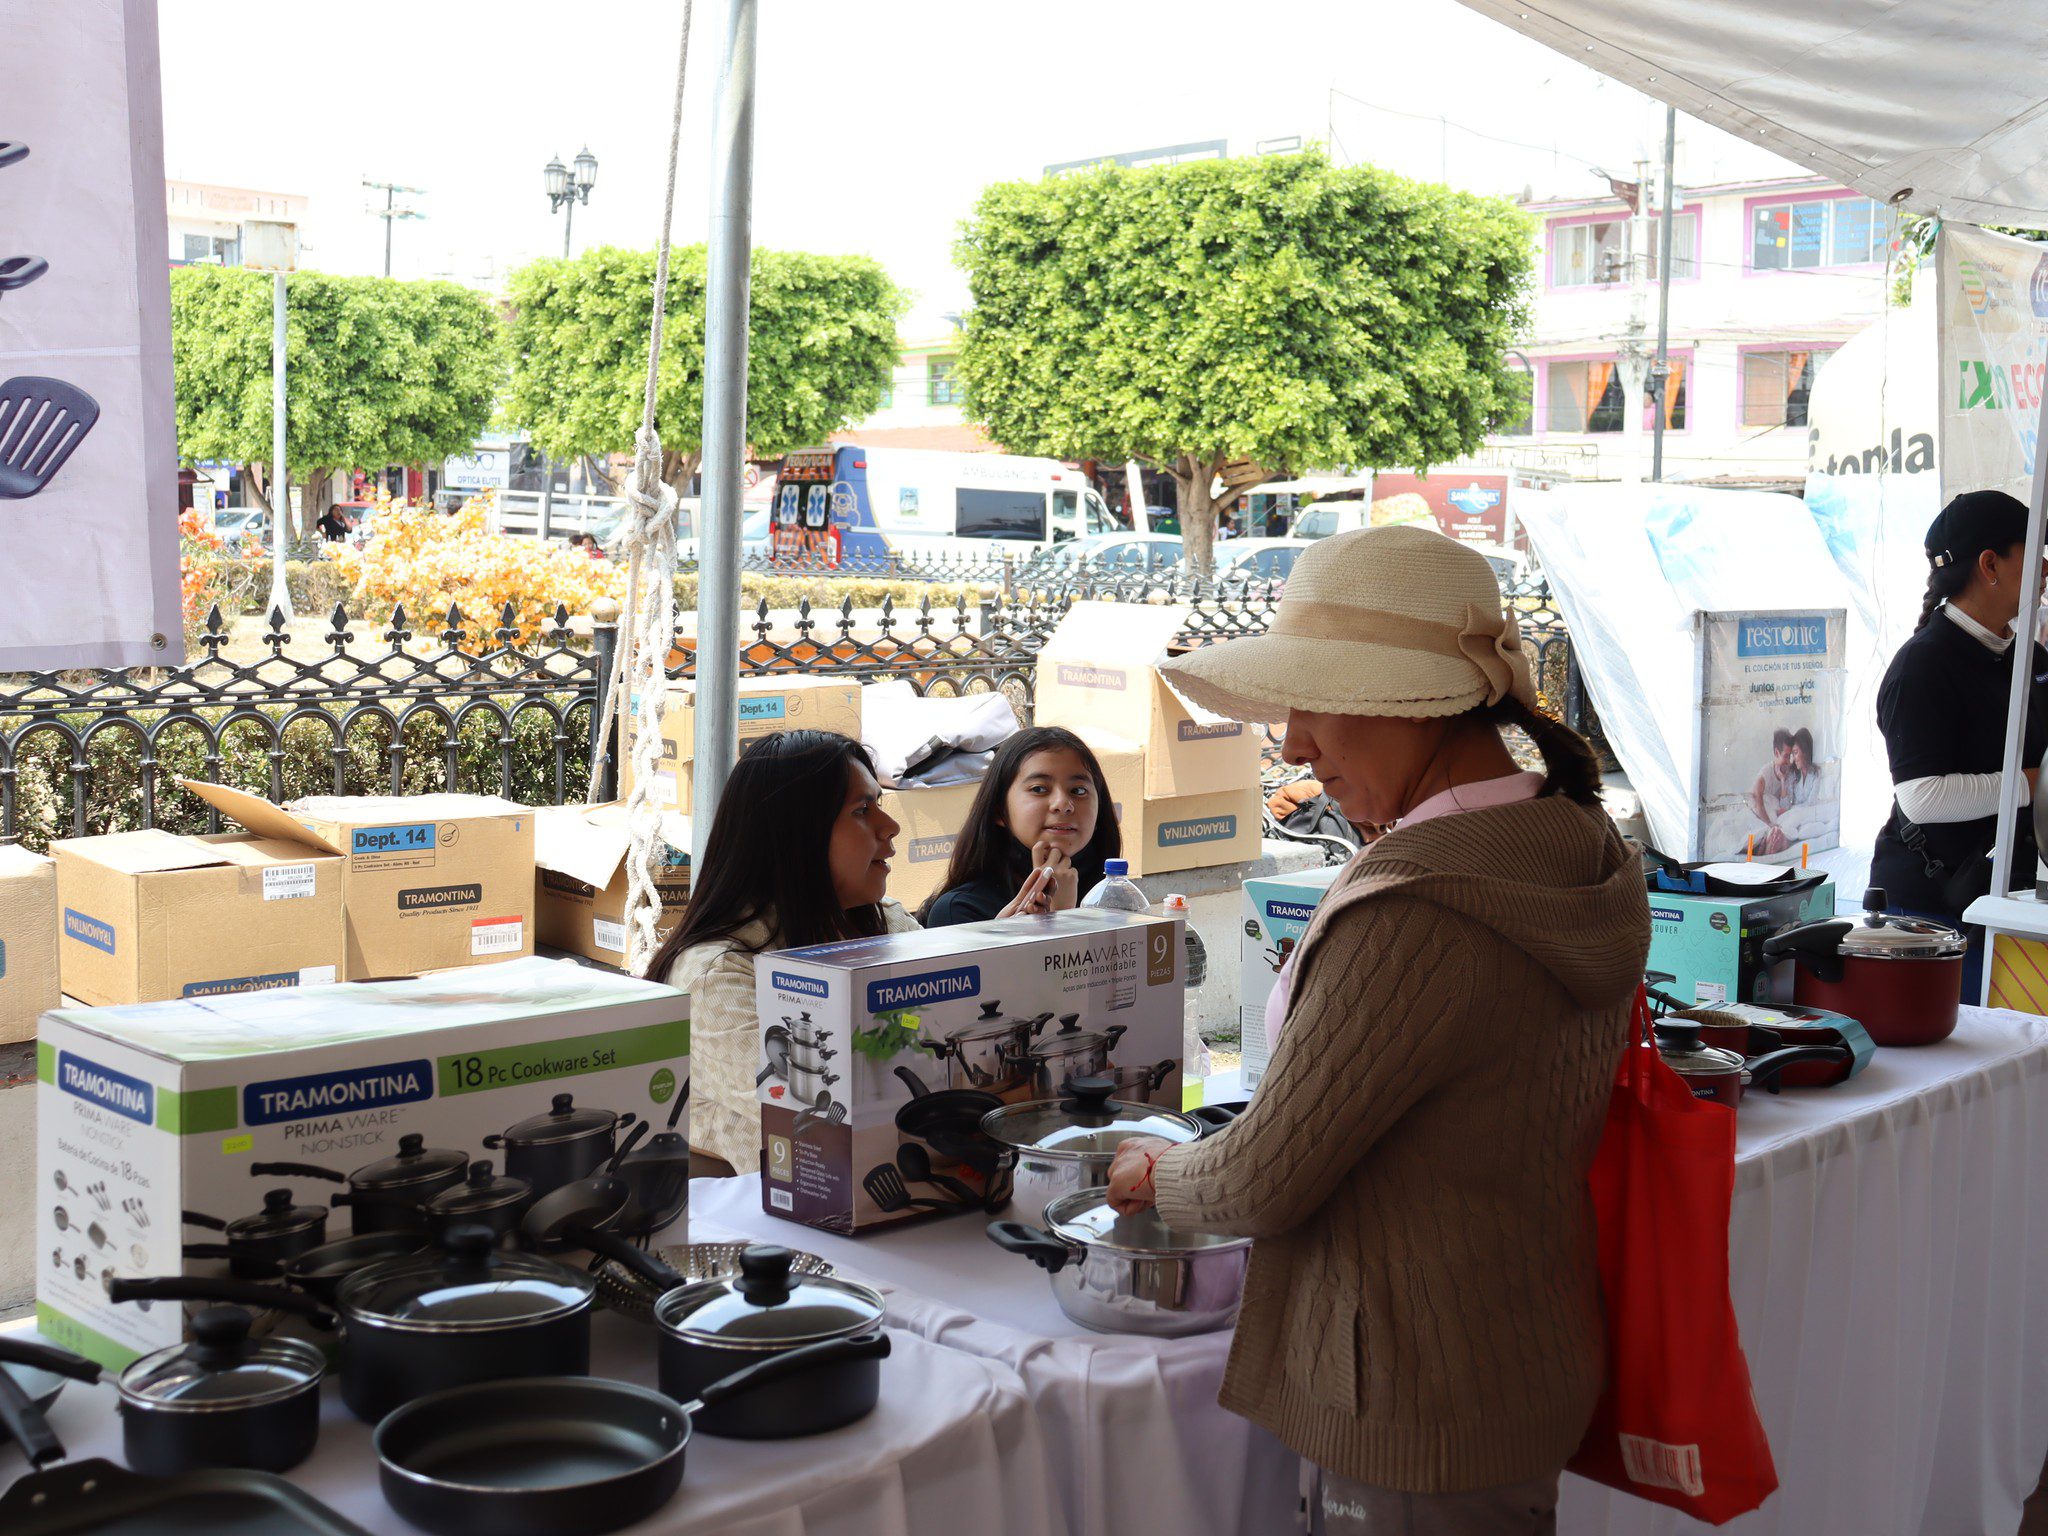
(1070, 1039)
(1085, 1217)
(1893, 936)
(223, 1367)
(464, 1284)
(278, 1218)
(766, 1306)
(992, 1023)
(1084, 1120)
(483, 1190)
(1679, 1044)
(562, 1122)
(414, 1163)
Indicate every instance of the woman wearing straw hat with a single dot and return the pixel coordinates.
(1422, 1318)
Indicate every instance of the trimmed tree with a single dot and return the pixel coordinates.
(377, 372)
(820, 350)
(1276, 309)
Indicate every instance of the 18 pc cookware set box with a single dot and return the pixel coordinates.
(882, 1058)
(295, 1137)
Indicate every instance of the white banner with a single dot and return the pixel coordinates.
(88, 450)
(1994, 354)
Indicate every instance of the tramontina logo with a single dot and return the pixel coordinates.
(270, 981)
(127, 1096)
(1209, 829)
(925, 849)
(1194, 730)
(1667, 914)
(334, 1093)
(89, 930)
(1074, 674)
(1803, 634)
(802, 986)
(1290, 911)
(925, 987)
(437, 898)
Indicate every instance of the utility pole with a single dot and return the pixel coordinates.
(1660, 370)
(391, 211)
(280, 483)
(1632, 360)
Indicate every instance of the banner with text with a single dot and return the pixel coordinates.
(1994, 351)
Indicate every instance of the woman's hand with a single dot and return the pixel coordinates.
(1063, 892)
(1131, 1187)
(1032, 896)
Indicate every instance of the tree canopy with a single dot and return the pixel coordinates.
(1278, 309)
(377, 371)
(820, 351)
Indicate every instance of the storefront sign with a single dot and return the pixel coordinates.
(1467, 504)
(487, 469)
(1994, 359)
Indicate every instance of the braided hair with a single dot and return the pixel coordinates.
(1944, 582)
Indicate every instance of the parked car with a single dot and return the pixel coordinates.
(1246, 561)
(237, 526)
(1323, 518)
(1109, 554)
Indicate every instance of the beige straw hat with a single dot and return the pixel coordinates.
(1384, 621)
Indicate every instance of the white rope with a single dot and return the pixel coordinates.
(647, 539)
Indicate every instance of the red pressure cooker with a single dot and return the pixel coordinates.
(1901, 976)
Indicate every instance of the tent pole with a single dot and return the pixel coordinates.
(725, 419)
(1660, 370)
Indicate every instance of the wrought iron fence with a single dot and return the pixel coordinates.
(423, 709)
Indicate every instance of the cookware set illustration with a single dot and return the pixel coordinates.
(42, 421)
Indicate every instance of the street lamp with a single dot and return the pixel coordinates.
(566, 188)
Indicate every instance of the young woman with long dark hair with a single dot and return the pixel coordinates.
(1044, 805)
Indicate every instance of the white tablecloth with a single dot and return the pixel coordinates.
(1890, 1263)
(953, 1447)
(1138, 1443)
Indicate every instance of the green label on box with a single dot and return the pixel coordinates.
(199, 1113)
(547, 1060)
(68, 1333)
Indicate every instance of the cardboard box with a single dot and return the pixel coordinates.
(869, 1001)
(1164, 833)
(28, 941)
(1099, 670)
(931, 820)
(1714, 944)
(1277, 909)
(152, 915)
(431, 882)
(782, 703)
(147, 1111)
(579, 855)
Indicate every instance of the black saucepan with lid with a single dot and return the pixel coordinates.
(559, 1146)
(260, 1245)
(222, 1400)
(484, 1198)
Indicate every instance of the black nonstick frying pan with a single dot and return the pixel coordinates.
(41, 422)
(41, 1371)
(20, 271)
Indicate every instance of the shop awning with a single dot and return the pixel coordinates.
(1939, 103)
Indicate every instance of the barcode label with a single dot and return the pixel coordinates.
(782, 1199)
(662, 789)
(289, 882)
(606, 934)
(1657, 1465)
(497, 935)
(1710, 991)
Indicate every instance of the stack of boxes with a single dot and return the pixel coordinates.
(766, 704)
(580, 878)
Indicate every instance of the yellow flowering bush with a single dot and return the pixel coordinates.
(427, 559)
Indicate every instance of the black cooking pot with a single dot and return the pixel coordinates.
(391, 1193)
(223, 1400)
(560, 1146)
(258, 1247)
(483, 1199)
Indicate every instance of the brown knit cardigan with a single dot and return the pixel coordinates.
(1422, 1311)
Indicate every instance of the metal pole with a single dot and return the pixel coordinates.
(390, 217)
(547, 497)
(1659, 373)
(725, 419)
(568, 224)
(280, 484)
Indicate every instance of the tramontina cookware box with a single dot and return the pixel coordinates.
(150, 1114)
(1277, 910)
(991, 1007)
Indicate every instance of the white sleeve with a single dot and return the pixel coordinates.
(1942, 797)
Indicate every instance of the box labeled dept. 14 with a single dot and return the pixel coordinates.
(153, 1110)
(1001, 1006)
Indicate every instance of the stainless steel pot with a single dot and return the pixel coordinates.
(992, 1054)
(799, 1032)
(1131, 1274)
(1070, 1053)
(1136, 1085)
(1067, 1144)
(807, 1084)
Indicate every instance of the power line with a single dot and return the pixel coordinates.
(391, 212)
(1444, 122)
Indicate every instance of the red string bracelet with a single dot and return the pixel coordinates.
(1151, 1162)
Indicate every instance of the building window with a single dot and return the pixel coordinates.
(1821, 232)
(1777, 385)
(943, 384)
(224, 252)
(1582, 396)
(1589, 252)
(1685, 234)
(1675, 382)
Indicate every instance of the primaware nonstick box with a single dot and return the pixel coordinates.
(842, 1025)
(1277, 909)
(153, 1110)
(1713, 945)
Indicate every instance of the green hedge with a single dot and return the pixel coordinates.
(242, 585)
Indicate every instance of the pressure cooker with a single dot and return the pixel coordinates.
(1900, 976)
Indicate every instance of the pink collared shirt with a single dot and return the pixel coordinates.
(1508, 789)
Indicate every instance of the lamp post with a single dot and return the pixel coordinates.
(568, 185)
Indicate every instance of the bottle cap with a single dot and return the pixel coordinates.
(1116, 866)
(1176, 903)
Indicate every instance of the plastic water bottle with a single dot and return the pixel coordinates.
(1195, 967)
(1116, 890)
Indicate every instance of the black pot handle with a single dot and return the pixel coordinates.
(295, 1171)
(918, 1090)
(218, 1251)
(795, 1362)
(201, 1219)
(1215, 1117)
(25, 1421)
(1034, 1243)
(1114, 1033)
(246, 1293)
(939, 1048)
(1156, 1076)
(494, 1142)
(47, 1357)
(642, 1263)
(1764, 1070)
(1817, 946)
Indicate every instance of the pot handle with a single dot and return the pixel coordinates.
(210, 1251)
(245, 1293)
(916, 1084)
(47, 1357)
(1216, 1117)
(201, 1219)
(1034, 1243)
(939, 1048)
(1817, 946)
(494, 1142)
(295, 1171)
(25, 1422)
(642, 1263)
(1114, 1033)
(1155, 1076)
(795, 1362)
(1763, 1070)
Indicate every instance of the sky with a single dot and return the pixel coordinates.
(877, 123)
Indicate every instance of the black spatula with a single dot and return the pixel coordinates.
(41, 422)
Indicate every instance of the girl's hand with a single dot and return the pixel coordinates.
(1131, 1187)
(1064, 889)
(1032, 896)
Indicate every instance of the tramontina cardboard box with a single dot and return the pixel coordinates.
(1164, 833)
(1099, 670)
(1714, 945)
(931, 820)
(579, 855)
(871, 1001)
(431, 881)
(783, 703)
(1277, 909)
(147, 1111)
(152, 915)
(28, 941)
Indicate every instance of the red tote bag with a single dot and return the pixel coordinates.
(1677, 1423)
